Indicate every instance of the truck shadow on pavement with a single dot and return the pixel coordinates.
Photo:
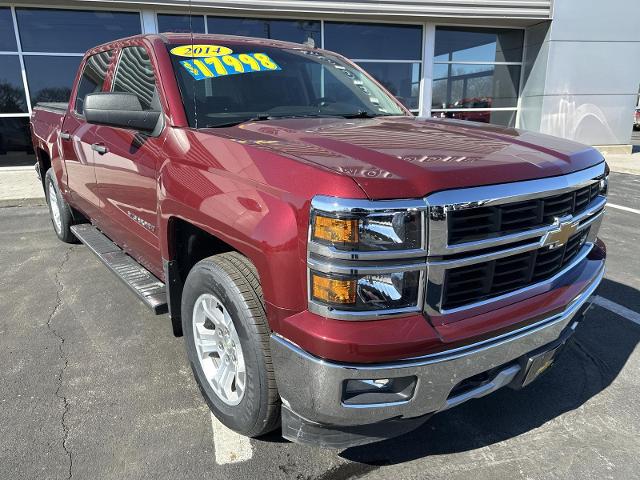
(595, 356)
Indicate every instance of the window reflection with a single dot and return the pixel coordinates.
(499, 117)
(50, 79)
(93, 77)
(7, 35)
(374, 41)
(134, 74)
(15, 142)
(288, 30)
(72, 31)
(180, 23)
(478, 45)
(475, 86)
(12, 97)
(401, 79)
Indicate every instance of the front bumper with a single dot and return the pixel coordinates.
(312, 389)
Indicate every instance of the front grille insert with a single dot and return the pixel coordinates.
(472, 224)
(484, 280)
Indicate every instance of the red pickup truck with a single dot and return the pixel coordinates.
(337, 266)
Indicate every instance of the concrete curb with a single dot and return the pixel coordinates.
(22, 202)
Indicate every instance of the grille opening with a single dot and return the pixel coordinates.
(484, 280)
(481, 223)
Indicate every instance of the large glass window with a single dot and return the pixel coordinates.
(392, 54)
(52, 43)
(374, 41)
(134, 74)
(12, 97)
(401, 79)
(476, 74)
(51, 30)
(93, 76)
(15, 142)
(180, 23)
(7, 35)
(50, 79)
(288, 30)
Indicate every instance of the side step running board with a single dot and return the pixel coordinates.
(143, 283)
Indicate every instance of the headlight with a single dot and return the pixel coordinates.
(365, 257)
(368, 231)
(378, 291)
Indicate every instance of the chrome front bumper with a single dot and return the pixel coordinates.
(312, 388)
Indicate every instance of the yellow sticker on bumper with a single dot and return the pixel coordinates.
(212, 67)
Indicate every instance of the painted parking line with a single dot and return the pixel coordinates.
(230, 447)
(621, 207)
(617, 309)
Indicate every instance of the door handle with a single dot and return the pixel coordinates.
(65, 136)
(101, 149)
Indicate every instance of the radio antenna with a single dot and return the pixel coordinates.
(195, 105)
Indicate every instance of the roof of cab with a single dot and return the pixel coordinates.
(196, 38)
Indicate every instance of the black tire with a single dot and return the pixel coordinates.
(63, 230)
(233, 279)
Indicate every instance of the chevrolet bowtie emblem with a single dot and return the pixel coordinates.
(563, 230)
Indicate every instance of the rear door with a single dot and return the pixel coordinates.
(77, 135)
(126, 167)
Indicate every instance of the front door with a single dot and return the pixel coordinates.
(77, 136)
(125, 166)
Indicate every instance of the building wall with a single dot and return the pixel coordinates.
(582, 71)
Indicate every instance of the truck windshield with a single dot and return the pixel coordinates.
(254, 82)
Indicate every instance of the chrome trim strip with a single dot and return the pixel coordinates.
(376, 405)
(354, 206)
(357, 269)
(332, 252)
(355, 316)
(503, 378)
(517, 191)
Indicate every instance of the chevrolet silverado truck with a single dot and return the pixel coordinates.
(338, 267)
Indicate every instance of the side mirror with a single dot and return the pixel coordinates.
(117, 109)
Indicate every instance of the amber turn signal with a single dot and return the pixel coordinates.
(332, 290)
(335, 229)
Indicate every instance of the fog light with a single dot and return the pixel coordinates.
(377, 391)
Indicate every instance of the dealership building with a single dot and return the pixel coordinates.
(565, 67)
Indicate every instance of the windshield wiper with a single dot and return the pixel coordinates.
(257, 118)
(362, 114)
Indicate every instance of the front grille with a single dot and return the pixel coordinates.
(481, 223)
(480, 281)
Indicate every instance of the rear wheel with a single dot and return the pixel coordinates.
(59, 209)
(227, 339)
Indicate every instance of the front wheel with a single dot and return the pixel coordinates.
(227, 339)
(59, 209)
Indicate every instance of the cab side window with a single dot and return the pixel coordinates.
(134, 74)
(93, 76)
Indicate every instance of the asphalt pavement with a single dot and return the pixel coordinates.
(93, 386)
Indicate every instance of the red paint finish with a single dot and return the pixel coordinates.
(251, 187)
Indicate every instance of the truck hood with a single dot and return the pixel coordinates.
(405, 157)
